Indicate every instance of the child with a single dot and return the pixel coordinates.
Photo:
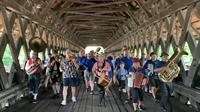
(121, 76)
(138, 74)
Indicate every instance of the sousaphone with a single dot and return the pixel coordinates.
(37, 44)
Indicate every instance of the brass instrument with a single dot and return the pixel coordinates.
(169, 75)
(98, 50)
(37, 44)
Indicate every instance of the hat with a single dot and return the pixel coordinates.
(136, 60)
(152, 53)
(164, 54)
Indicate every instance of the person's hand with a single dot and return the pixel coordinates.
(128, 75)
(167, 69)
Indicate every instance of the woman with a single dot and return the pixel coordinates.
(69, 68)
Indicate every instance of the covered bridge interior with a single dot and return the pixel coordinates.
(142, 25)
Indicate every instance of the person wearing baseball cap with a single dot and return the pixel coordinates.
(137, 73)
(164, 90)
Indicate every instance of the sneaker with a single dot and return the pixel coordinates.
(126, 101)
(63, 103)
(34, 101)
(74, 99)
(156, 100)
(141, 108)
(92, 92)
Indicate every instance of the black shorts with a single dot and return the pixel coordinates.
(55, 77)
(122, 84)
(137, 94)
(70, 82)
(154, 82)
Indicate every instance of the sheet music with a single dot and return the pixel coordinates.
(130, 79)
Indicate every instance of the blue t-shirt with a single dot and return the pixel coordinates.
(110, 73)
(89, 64)
(81, 60)
(121, 74)
(117, 63)
(161, 64)
(128, 62)
(152, 65)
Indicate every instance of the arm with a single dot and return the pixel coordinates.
(107, 67)
(94, 69)
(27, 66)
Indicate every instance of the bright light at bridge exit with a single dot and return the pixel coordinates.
(90, 48)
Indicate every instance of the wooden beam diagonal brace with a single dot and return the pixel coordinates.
(99, 5)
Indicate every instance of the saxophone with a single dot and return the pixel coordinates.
(168, 76)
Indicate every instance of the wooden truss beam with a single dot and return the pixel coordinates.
(14, 6)
(98, 5)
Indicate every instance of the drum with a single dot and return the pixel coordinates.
(104, 81)
(138, 80)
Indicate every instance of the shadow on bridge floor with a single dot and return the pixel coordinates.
(88, 103)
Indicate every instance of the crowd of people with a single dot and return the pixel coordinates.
(133, 76)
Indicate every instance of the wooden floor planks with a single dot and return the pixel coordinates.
(87, 103)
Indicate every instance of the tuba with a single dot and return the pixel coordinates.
(37, 44)
(168, 76)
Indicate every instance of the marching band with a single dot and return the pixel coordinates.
(132, 75)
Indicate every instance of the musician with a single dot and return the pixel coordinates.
(34, 64)
(101, 68)
(69, 68)
(138, 73)
(150, 65)
(164, 90)
(55, 75)
(88, 75)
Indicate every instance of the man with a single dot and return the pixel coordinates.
(99, 68)
(34, 70)
(165, 104)
(69, 68)
(88, 75)
(153, 76)
(81, 61)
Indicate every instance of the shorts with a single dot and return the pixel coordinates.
(137, 94)
(88, 76)
(70, 81)
(122, 84)
(55, 77)
(154, 82)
